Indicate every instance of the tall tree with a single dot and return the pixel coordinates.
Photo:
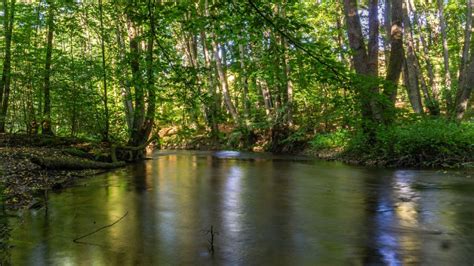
(447, 71)
(396, 50)
(411, 75)
(46, 124)
(5, 81)
(104, 72)
(145, 97)
(365, 60)
(467, 66)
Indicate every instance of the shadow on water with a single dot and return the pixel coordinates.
(264, 209)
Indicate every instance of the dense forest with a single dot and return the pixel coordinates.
(392, 75)
(243, 97)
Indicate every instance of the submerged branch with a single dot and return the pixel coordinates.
(76, 240)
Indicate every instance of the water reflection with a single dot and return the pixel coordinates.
(272, 212)
(396, 220)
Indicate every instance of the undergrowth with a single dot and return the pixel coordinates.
(422, 143)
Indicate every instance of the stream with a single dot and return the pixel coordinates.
(263, 209)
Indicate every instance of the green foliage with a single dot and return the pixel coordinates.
(331, 140)
(426, 142)
(286, 66)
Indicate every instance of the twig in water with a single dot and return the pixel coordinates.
(211, 241)
(76, 240)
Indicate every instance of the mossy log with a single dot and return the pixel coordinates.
(68, 163)
(78, 153)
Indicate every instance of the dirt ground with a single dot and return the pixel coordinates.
(23, 183)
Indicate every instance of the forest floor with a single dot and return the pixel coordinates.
(25, 179)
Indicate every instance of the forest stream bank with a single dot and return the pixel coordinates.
(33, 165)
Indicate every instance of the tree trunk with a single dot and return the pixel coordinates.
(365, 63)
(288, 83)
(396, 52)
(137, 82)
(143, 117)
(373, 45)
(223, 80)
(47, 73)
(151, 101)
(411, 77)
(467, 72)
(104, 73)
(387, 23)
(124, 83)
(447, 74)
(244, 81)
(467, 43)
(425, 54)
(267, 98)
(212, 106)
(9, 17)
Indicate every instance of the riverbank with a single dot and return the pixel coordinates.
(31, 166)
(422, 143)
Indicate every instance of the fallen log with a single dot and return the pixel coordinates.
(68, 163)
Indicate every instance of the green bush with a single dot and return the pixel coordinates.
(426, 142)
(338, 139)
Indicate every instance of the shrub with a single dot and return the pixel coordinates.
(426, 142)
(338, 139)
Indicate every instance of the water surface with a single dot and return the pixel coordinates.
(267, 210)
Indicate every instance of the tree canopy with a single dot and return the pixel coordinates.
(126, 70)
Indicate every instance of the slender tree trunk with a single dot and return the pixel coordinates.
(288, 83)
(7, 51)
(425, 54)
(72, 69)
(466, 45)
(104, 73)
(47, 72)
(9, 16)
(267, 98)
(467, 77)
(223, 80)
(137, 81)
(244, 81)
(373, 44)
(464, 94)
(124, 84)
(447, 73)
(212, 106)
(411, 77)
(340, 39)
(387, 23)
(147, 126)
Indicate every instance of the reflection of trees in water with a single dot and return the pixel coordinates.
(392, 221)
(373, 201)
